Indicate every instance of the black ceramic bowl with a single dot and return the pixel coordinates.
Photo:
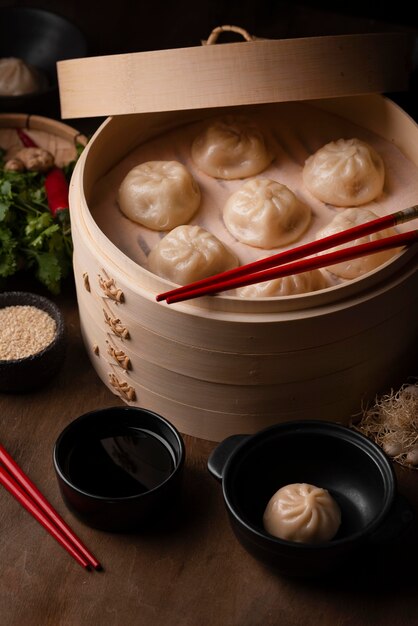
(31, 372)
(40, 38)
(353, 469)
(119, 468)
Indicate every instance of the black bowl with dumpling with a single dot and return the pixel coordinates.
(31, 43)
(355, 473)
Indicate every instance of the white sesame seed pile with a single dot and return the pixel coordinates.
(24, 331)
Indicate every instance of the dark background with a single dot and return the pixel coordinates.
(128, 26)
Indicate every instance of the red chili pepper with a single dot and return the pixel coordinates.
(56, 188)
(56, 185)
(25, 139)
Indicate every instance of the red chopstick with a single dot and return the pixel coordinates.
(303, 265)
(29, 496)
(217, 281)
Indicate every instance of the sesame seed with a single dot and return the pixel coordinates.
(24, 331)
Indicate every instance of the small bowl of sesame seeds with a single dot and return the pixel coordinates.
(32, 341)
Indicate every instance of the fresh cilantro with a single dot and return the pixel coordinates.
(8, 255)
(69, 168)
(30, 237)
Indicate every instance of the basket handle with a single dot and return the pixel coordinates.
(213, 37)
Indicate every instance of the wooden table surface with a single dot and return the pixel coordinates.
(189, 572)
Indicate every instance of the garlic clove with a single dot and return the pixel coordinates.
(393, 448)
(14, 165)
(411, 390)
(412, 456)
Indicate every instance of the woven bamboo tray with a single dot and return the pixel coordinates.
(52, 135)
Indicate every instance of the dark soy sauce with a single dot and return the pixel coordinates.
(129, 463)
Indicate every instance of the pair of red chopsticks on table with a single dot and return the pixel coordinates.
(293, 262)
(29, 496)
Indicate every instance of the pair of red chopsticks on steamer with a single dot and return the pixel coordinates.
(293, 261)
(28, 495)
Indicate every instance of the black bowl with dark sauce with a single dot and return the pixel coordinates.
(118, 468)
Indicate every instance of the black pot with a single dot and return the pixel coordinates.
(353, 469)
(41, 39)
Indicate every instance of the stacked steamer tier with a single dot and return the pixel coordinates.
(220, 365)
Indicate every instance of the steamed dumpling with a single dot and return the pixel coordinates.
(231, 147)
(190, 253)
(18, 78)
(347, 172)
(159, 195)
(356, 267)
(265, 214)
(303, 513)
(286, 286)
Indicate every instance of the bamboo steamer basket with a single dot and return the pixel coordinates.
(217, 366)
(58, 138)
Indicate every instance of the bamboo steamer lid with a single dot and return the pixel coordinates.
(254, 71)
(216, 367)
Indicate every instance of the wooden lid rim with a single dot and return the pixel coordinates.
(249, 72)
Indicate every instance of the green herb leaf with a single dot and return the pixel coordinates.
(47, 269)
(8, 258)
(30, 237)
(4, 208)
